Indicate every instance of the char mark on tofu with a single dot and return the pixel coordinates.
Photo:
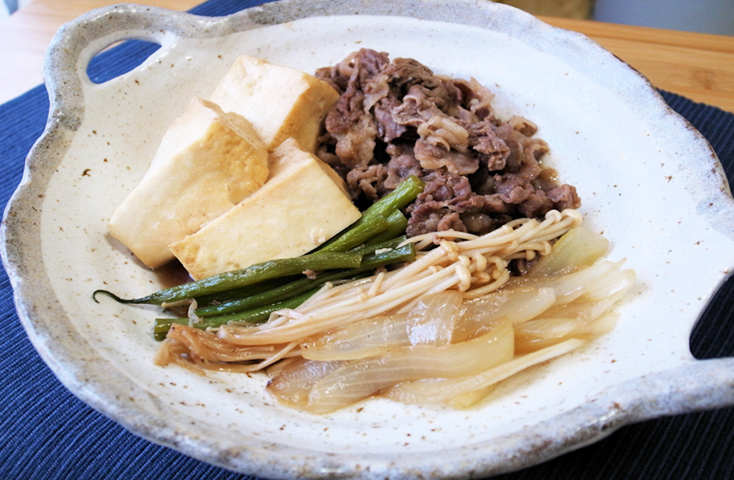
(396, 118)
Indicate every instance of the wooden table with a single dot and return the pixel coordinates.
(698, 66)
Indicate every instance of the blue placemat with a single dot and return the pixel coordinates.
(45, 432)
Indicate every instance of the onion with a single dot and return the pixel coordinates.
(465, 391)
(293, 383)
(537, 334)
(613, 285)
(517, 304)
(430, 322)
(570, 286)
(433, 319)
(579, 247)
(359, 379)
(581, 309)
(362, 339)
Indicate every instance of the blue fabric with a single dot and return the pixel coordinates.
(47, 433)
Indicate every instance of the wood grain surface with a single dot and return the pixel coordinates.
(698, 66)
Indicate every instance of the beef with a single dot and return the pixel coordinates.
(396, 118)
(367, 180)
(350, 122)
(402, 164)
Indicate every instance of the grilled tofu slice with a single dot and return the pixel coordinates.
(280, 102)
(302, 205)
(208, 161)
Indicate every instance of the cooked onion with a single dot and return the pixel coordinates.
(580, 247)
(432, 321)
(541, 333)
(361, 378)
(465, 391)
(293, 384)
(518, 304)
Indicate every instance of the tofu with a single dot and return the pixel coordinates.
(280, 102)
(207, 162)
(302, 205)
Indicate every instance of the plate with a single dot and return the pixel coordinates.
(647, 179)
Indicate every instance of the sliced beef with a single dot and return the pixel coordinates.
(397, 118)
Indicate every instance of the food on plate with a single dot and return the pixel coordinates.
(302, 205)
(216, 154)
(281, 102)
(207, 162)
(453, 315)
(425, 257)
(397, 118)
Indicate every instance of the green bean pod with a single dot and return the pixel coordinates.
(246, 276)
(382, 219)
(396, 225)
(254, 315)
(273, 295)
(399, 198)
(389, 256)
(356, 235)
(370, 261)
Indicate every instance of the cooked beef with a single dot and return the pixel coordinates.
(397, 118)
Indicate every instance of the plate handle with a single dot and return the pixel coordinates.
(79, 41)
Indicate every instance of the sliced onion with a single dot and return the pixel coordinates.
(366, 338)
(571, 286)
(363, 378)
(465, 391)
(582, 309)
(577, 248)
(431, 322)
(537, 334)
(517, 304)
(615, 284)
(293, 383)
(433, 319)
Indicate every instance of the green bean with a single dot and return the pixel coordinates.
(382, 215)
(370, 259)
(396, 225)
(275, 294)
(246, 276)
(261, 313)
(255, 315)
(235, 293)
(399, 198)
(406, 253)
(356, 235)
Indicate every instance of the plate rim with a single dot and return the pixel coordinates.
(90, 33)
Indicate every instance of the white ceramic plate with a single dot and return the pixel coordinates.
(648, 180)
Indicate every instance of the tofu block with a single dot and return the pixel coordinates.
(207, 162)
(302, 205)
(280, 102)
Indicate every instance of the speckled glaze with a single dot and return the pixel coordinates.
(648, 180)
